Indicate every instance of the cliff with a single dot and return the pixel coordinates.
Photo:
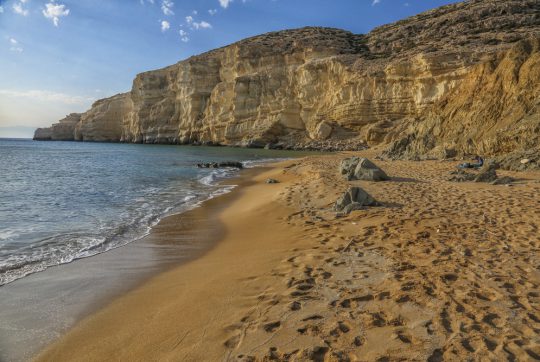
(459, 79)
(61, 131)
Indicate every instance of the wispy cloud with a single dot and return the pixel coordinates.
(18, 8)
(165, 25)
(15, 46)
(375, 2)
(166, 7)
(225, 3)
(212, 12)
(54, 12)
(49, 96)
(183, 35)
(1, 9)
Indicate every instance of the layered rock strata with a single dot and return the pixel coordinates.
(459, 79)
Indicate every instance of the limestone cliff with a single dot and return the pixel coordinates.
(462, 78)
(61, 131)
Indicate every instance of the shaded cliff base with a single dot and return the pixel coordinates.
(439, 271)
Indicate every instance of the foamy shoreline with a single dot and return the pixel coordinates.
(44, 305)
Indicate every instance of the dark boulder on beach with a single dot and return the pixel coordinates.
(356, 168)
(487, 173)
(354, 198)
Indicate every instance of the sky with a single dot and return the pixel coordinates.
(59, 56)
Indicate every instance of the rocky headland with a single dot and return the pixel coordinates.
(461, 79)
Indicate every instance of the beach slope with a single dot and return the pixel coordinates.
(439, 271)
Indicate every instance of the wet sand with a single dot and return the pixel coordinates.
(37, 309)
(440, 271)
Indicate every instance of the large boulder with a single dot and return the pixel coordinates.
(356, 168)
(322, 131)
(354, 198)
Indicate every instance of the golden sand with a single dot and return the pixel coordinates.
(440, 271)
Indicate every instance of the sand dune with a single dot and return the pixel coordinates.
(441, 271)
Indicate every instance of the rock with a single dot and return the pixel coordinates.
(487, 172)
(506, 180)
(348, 165)
(521, 160)
(461, 176)
(225, 164)
(361, 169)
(322, 131)
(354, 199)
(433, 80)
(272, 181)
(353, 206)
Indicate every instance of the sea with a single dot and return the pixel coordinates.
(63, 201)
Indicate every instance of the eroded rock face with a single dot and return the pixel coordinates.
(458, 79)
(104, 121)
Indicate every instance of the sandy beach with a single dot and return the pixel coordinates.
(439, 271)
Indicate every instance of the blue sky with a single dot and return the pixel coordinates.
(57, 57)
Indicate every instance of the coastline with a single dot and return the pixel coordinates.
(39, 308)
(430, 274)
(187, 279)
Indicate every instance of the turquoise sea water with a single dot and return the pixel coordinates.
(61, 201)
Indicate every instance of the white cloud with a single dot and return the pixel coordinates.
(183, 36)
(15, 46)
(43, 95)
(54, 12)
(212, 11)
(202, 25)
(148, 1)
(375, 2)
(165, 25)
(18, 8)
(1, 9)
(166, 7)
(197, 25)
(194, 12)
(225, 3)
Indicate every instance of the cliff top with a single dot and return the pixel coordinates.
(472, 25)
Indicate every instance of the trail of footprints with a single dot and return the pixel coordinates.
(425, 280)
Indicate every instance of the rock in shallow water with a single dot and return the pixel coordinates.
(225, 164)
